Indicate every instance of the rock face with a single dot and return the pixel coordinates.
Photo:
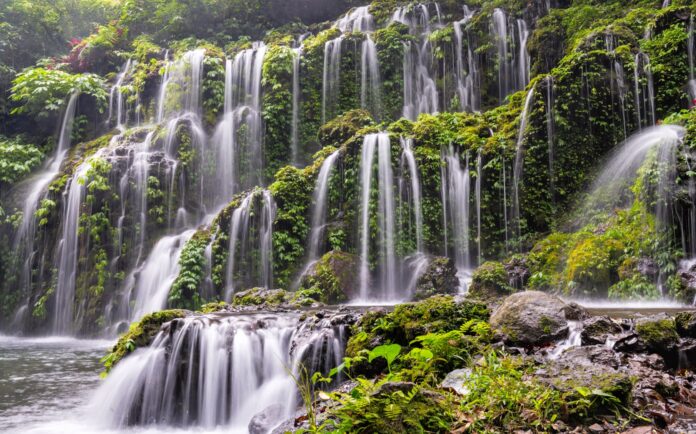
(530, 318)
(686, 324)
(440, 277)
(597, 329)
(265, 421)
(333, 278)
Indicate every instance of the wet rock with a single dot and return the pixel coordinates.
(686, 324)
(439, 277)
(517, 271)
(266, 420)
(660, 336)
(594, 367)
(597, 329)
(333, 278)
(530, 318)
(261, 297)
(629, 343)
(456, 381)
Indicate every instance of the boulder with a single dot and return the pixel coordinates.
(267, 419)
(530, 318)
(439, 277)
(597, 329)
(658, 333)
(334, 277)
(686, 324)
(593, 367)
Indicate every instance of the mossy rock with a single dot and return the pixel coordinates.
(490, 281)
(659, 335)
(530, 318)
(440, 277)
(140, 334)
(686, 324)
(261, 297)
(333, 279)
(438, 314)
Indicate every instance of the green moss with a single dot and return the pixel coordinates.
(140, 334)
(436, 314)
(333, 277)
(490, 279)
(658, 335)
(261, 297)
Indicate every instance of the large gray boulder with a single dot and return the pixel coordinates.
(530, 318)
(439, 277)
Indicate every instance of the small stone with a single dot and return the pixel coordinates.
(456, 381)
(595, 427)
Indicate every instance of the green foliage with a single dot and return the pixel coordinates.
(41, 91)
(17, 159)
(658, 335)
(388, 352)
(139, 335)
(490, 278)
(186, 292)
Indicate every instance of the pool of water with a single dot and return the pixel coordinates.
(44, 379)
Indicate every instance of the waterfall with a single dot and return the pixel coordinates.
(218, 370)
(457, 185)
(26, 234)
(357, 20)
(244, 222)
(513, 64)
(420, 89)
(617, 81)
(386, 218)
(691, 44)
(550, 131)
(386, 240)
(295, 122)
(239, 162)
(332, 77)
(644, 91)
(479, 180)
(370, 85)
(613, 183)
(116, 98)
(154, 279)
(519, 161)
(187, 74)
(467, 78)
(410, 160)
(68, 249)
(499, 28)
(320, 208)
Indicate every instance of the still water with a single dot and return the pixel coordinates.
(47, 386)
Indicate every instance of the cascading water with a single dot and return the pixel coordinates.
(218, 370)
(409, 164)
(332, 77)
(116, 98)
(519, 162)
(26, 234)
(154, 280)
(387, 289)
(613, 183)
(617, 80)
(513, 58)
(479, 181)
(456, 184)
(691, 47)
(67, 255)
(319, 209)
(245, 222)
(420, 89)
(550, 132)
(467, 78)
(644, 91)
(295, 122)
(240, 158)
(370, 85)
